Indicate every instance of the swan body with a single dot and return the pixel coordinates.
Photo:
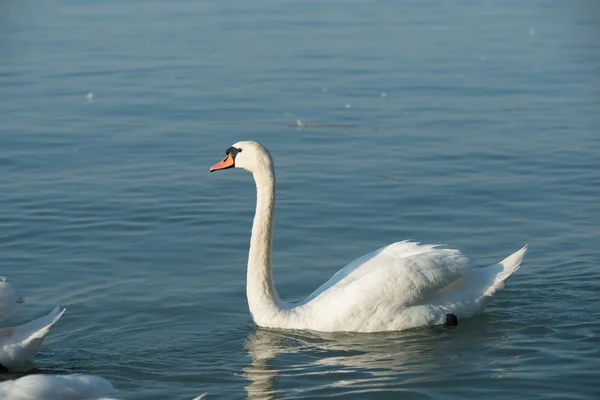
(399, 286)
(60, 387)
(19, 344)
(57, 387)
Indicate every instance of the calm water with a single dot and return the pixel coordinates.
(477, 125)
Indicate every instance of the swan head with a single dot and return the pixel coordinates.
(251, 156)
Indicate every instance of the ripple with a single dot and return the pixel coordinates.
(108, 208)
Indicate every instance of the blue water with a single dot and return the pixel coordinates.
(475, 124)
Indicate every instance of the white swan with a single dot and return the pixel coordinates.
(60, 387)
(400, 286)
(18, 344)
(57, 387)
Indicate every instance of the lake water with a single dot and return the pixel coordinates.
(476, 125)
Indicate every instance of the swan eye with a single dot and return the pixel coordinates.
(233, 152)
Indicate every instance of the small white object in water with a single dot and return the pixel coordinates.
(348, 105)
(383, 94)
(89, 97)
(532, 32)
(299, 124)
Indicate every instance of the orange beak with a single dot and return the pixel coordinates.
(226, 163)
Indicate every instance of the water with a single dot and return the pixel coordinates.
(487, 138)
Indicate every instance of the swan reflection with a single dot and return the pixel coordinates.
(397, 361)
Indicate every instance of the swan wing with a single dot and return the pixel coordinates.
(19, 344)
(407, 272)
(401, 286)
(56, 387)
(391, 288)
(9, 301)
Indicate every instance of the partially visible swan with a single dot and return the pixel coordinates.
(59, 387)
(18, 344)
(400, 286)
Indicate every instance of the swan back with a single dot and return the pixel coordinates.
(400, 286)
(392, 288)
(56, 387)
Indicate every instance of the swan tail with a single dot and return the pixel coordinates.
(40, 327)
(504, 270)
(22, 342)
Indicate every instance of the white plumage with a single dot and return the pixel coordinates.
(400, 286)
(57, 387)
(18, 344)
(60, 387)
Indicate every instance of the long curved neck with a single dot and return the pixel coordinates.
(263, 300)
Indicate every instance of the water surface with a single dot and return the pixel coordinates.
(477, 126)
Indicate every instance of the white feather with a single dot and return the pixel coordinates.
(400, 286)
(56, 387)
(60, 387)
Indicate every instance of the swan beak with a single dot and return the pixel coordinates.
(226, 163)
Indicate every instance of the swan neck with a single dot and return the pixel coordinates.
(263, 300)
